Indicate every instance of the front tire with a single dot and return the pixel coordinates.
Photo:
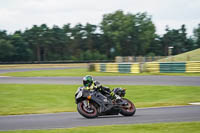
(128, 110)
(88, 112)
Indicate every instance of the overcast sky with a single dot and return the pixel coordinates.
(22, 14)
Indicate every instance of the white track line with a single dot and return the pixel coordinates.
(167, 106)
(197, 103)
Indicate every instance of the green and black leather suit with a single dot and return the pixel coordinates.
(104, 90)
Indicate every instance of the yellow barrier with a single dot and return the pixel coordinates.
(152, 67)
(97, 67)
(192, 66)
(112, 67)
(135, 68)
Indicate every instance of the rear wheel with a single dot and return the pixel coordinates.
(129, 109)
(87, 109)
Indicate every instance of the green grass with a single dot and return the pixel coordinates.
(193, 55)
(83, 72)
(64, 72)
(175, 127)
(28, 99)
(19, 66)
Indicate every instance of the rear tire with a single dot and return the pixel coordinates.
(128, 110)
(87, 112)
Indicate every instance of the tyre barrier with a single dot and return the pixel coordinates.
(151, 67)
(193, 67)
(118, 67)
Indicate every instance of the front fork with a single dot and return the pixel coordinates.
(86, 103)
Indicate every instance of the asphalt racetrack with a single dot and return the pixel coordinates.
(108, 80)
(116, 80)
(73, 119)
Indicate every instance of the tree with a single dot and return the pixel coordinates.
(3, 35)
(38, 41)
(128, 34)
(119, 34)
(197, 36)
(6, 50)
(58, 44)
(89, 36)
(155, 47)
(22, 49)
(178, 39)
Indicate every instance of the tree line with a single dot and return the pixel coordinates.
(118, 34)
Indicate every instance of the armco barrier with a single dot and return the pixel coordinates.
(174, 67)
(118, 67)
(97, 67)
(124, 68)
(103, 67)
(151, 67)
(135, 68)
(193, 67)
(111, 67)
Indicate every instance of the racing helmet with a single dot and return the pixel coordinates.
(87, 81)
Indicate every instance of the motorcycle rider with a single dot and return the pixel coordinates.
(90, 84)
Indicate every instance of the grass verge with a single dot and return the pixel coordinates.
(28, 99)
(193, 55)
(175, 127)
(2, 66)
(83, 72)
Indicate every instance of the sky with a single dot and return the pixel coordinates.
(22, 14)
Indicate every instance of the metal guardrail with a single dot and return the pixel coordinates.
(118, 67)
(172, 67)
(193, 67)
(151, 67)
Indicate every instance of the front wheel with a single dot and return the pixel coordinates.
(129, 109)
(87, 109)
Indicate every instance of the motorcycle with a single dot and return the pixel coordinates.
(92, 103)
